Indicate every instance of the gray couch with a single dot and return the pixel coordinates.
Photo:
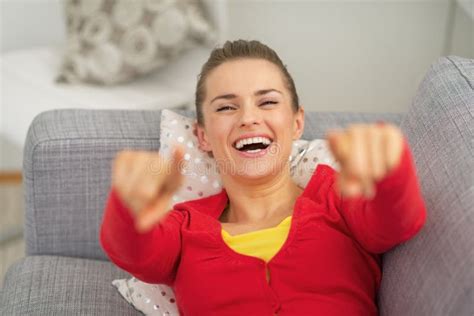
(67, 165)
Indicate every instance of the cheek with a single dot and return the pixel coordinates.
(284, 123)
(219, 131)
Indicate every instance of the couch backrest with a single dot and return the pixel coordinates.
(433, 274)
(67, 169)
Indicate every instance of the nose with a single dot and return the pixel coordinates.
(250, 115)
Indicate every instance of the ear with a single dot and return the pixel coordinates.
(200, 133)
(298, 123)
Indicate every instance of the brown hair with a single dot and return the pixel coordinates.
(237, 50)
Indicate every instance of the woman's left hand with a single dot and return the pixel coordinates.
(366, 154)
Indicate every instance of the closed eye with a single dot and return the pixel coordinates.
(227, 107)
(224, 108)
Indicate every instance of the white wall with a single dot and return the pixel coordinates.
(27, 23)
(349, 55)
(467, 6)
(462, 39)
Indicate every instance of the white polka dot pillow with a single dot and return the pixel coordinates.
(201, 180)
(150, 299)
(201, 176)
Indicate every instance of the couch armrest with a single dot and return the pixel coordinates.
(66, 165)
(433, 273)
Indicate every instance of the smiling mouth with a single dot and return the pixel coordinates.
(253, 147)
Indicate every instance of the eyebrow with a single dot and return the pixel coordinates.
(230, 96)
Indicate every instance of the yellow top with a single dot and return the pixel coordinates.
(263, 243)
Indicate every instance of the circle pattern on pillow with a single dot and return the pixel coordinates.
(170, 27)
(142, 34)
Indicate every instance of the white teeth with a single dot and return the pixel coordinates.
(252, 140)
(254, 150)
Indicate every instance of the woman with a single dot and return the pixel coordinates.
(263, 245)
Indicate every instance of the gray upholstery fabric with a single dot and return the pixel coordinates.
(433, 274)
(67, 164)
(67, 161)
(53, 285)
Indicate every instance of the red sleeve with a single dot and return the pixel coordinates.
(394, 215)
(152, 256)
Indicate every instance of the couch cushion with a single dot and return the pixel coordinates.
(49, 285)
(433, 273)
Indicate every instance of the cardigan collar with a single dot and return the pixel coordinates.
(214, 205)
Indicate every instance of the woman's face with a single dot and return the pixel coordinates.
(249, 123)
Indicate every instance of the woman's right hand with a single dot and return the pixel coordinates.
(146, 182)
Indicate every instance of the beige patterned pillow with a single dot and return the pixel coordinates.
(113, 41)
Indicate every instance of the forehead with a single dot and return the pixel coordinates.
(244, 76)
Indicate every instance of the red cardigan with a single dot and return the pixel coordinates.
(329, 264)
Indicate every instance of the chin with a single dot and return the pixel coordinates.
(258, 169)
